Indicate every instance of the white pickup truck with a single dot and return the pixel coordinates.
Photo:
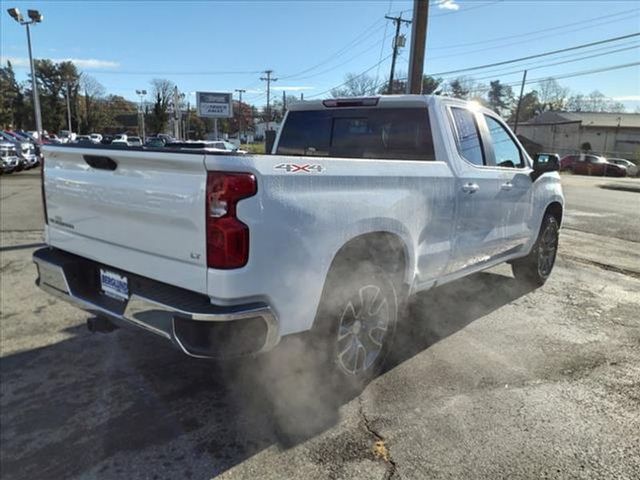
(362, 202)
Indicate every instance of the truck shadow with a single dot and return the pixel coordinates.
(127, 405)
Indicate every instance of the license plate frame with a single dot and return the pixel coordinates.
(114, 285)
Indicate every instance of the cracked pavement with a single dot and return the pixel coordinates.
(486, 380)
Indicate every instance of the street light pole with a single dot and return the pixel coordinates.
(240, 123)
(36, 17)
(142, 94)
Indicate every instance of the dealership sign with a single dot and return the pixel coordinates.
(214, 104)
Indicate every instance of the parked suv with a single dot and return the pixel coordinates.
(8, 157)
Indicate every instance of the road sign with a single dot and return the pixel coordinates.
(214, 104)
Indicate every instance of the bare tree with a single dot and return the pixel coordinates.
(162, 91)
(552, 95)
(92, 91)
(355, 86)
(595, 101)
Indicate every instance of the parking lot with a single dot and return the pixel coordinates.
(487, 380)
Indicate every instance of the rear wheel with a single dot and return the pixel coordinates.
(535, 268)
(357, 321)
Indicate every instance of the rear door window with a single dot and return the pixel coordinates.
(468, 136)
(381, 133)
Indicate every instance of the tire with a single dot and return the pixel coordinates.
(356, 323)
(535, 269)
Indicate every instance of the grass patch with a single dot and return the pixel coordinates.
(253, 147)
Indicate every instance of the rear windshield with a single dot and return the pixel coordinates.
(383, 133)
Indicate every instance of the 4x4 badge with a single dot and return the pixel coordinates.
(304, 168)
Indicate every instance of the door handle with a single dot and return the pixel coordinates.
(506, 186)
(470, 187)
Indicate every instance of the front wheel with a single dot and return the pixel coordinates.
(356, 322)
(534, 269)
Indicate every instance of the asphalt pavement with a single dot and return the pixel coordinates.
(487, 380)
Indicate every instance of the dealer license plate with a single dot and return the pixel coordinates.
(114, 285)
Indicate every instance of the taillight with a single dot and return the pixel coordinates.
(227, 237)
(44, 198)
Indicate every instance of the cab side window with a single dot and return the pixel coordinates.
(507, 152)
(468, 135)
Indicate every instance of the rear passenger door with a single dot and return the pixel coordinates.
(514, 183)
(478, 213)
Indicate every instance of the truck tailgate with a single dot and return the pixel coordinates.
(141, 212)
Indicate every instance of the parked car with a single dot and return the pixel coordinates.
(66, 136)
(632, 168)
(364, 201)
(34, 141)
(120, 140)
(134, 141)
(166, 138)
(25, 150)
(154, 142)
(51, 138)
(106, 139)
(84, 140)
(589, 164)
(566, 162)
(96, 137)
(9, 160)
(206, 145)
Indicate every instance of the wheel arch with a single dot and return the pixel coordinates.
(555, 208)
(387, 250)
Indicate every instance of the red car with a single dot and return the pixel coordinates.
(588, 164)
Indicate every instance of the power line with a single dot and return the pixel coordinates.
(537, 32)
(356, 41)
(462, 10)
(357, 55)
(468, 9)
(352, 78)
(558, 63)
(568, 75)
(529, 57)
(584, 72)
(124, 72)
(384, 39)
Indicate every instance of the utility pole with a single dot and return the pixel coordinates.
(398, 21)
(418, 45)
(515, 123)
(284, 102)
(240, 124)
(188, 120)
(268, 79)
(69, 111)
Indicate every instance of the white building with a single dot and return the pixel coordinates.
(610, 134)
(261, 127)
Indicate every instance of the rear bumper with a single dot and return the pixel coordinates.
(185, 318)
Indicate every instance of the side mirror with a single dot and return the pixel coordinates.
(543, 163)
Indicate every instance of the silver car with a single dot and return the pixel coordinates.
(632, 168)
(26, 151)
(9, 160)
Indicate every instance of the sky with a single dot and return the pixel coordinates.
(311, 45)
